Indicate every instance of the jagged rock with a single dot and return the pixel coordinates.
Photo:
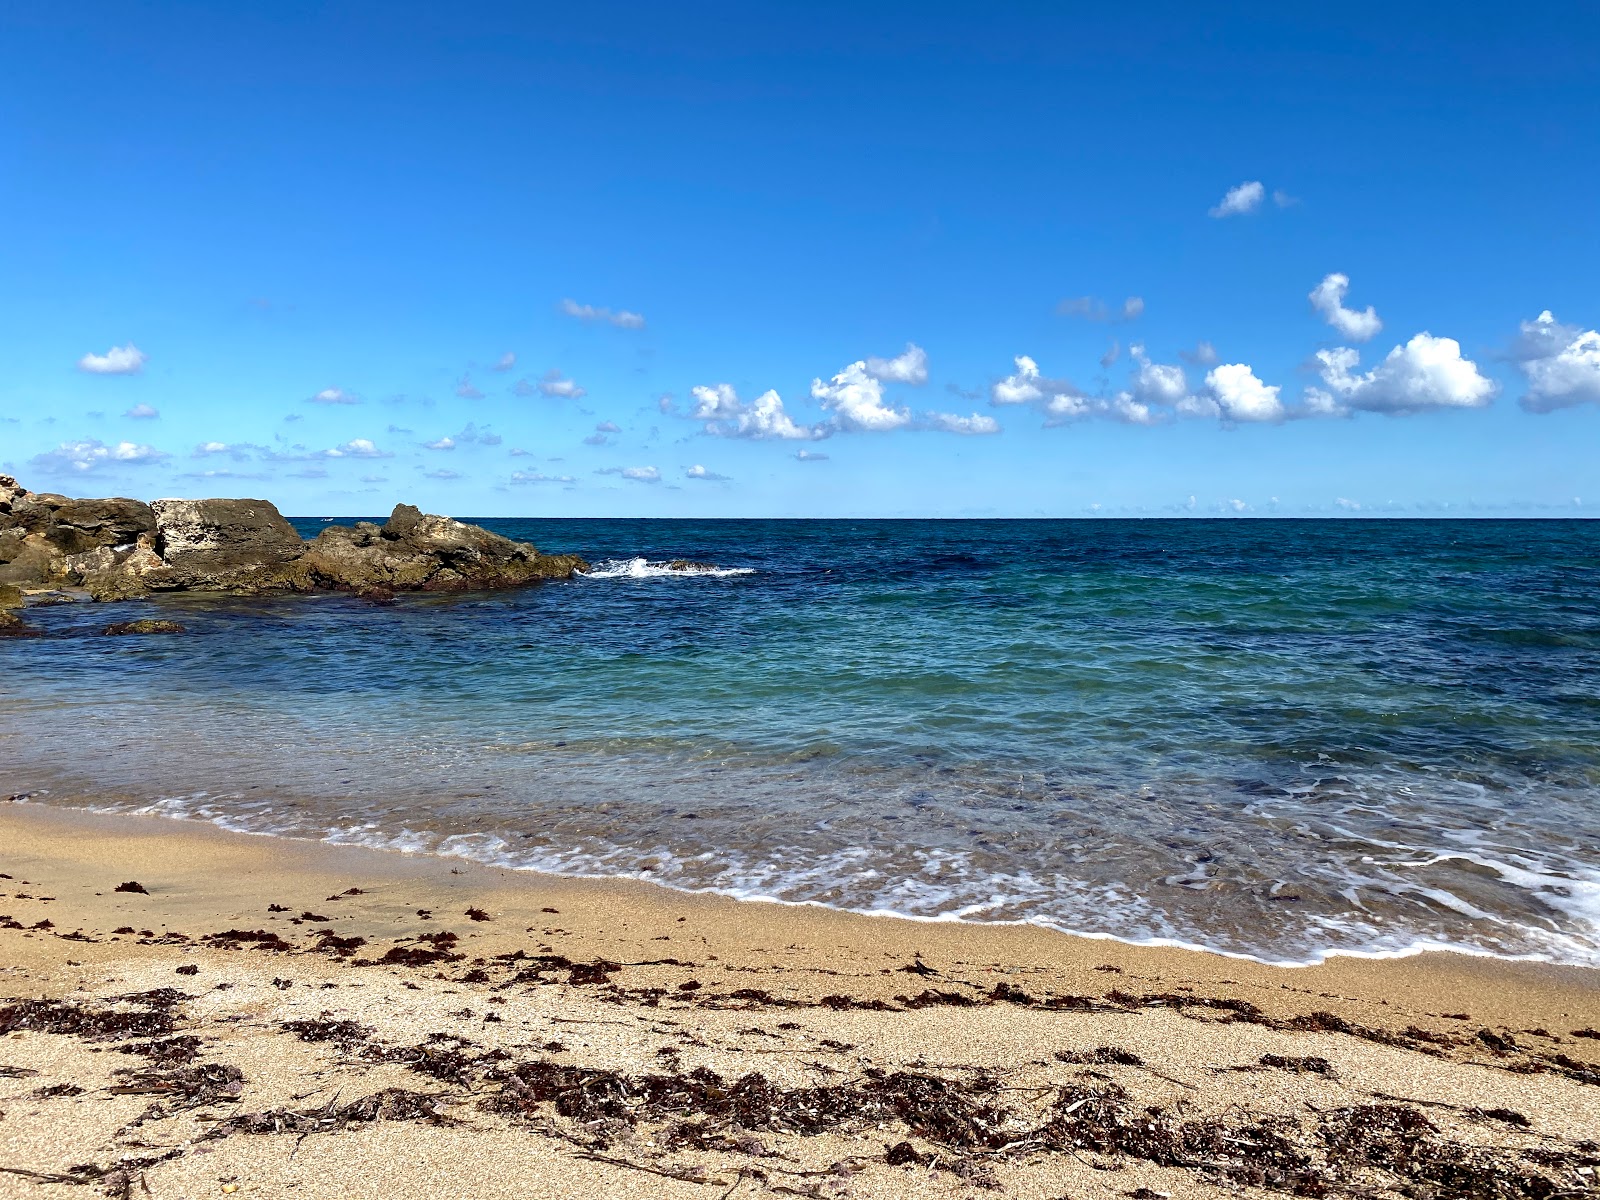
(148, 625)
(226, 545)
(414, 551)
(689, 567)
(30, 558)
(81, 525)
(10, 596)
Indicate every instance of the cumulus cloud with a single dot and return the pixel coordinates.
(444, 443)
(1156, 393)
(909, 367)
(810, 456)
(553, 384)
(505, 362)
(638, 474)
(1426, 373)
(442, 475)
(608, 427)
(335, 395)
(1245, 198)
(1235, 394)
(356, 448)
(466, 389)
(1561, 363)
(143, 412)
(622, 318)
(539, 477)
(119, 360)
(469, 435)
(1328, 299)
(91, 453)
(699, 472)
(855, 398)
(1203, 355)
(726, 415)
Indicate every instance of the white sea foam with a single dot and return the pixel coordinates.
(643, 568)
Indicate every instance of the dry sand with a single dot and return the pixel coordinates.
(587, 1039)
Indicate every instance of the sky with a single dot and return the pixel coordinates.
(820, 260)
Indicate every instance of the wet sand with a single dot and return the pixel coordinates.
(282, 1018)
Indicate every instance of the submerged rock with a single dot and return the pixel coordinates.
(124, 628)
(119, 549)
(12, 625)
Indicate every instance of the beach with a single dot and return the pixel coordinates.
(191, 1012)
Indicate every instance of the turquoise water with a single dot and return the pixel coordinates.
(1274, 738)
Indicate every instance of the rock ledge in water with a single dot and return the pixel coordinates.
(121, 549)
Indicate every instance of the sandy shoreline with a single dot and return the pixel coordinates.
(552, 1046)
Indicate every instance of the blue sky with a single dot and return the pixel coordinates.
(887, 259)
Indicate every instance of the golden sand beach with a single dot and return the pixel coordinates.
(277, 1018)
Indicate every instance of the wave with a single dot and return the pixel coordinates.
(642, 568)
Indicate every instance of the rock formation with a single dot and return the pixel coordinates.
(120, 549)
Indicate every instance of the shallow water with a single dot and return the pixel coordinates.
(1274, 738)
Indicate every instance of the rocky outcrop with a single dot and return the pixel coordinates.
(119, 549)
(414, 551)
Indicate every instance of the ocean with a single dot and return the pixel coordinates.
(1272, 738)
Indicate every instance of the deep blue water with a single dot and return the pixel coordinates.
(1279, 738)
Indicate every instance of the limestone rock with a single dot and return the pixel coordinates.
(226, 545)
(10, 596)
(414, 551)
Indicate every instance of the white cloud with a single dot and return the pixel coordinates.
(699, 472)
(539, 477)
(608, 427)
(119, 360)
(1348, 505)
(855, 398)
(638, 474)
(1092, 308)
(1203, 355)
(1282, 198)
(554, 385)
(505, 362)
(955, 423)
(1426, 373)
(208, 448)
(87, 455)
(908, 367)
(1237, 395)
(356, 448)
(466, 390)
(1328, 299)
(1561, 362)
(143, 412)
(442, 475)
(726, 415)
(335, 396)
(444, 443)
(1245, 198)
(810, 456)
(622, 319)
